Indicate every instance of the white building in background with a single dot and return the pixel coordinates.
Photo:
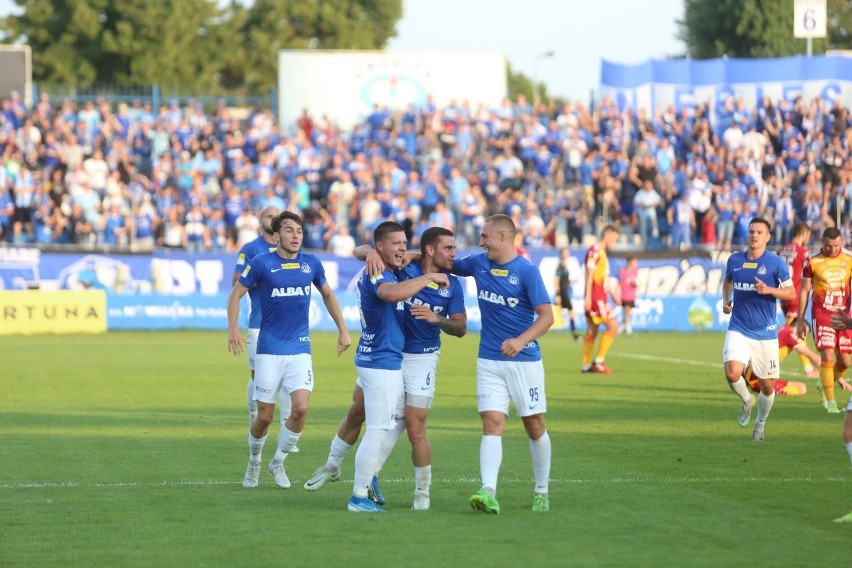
(346, 85)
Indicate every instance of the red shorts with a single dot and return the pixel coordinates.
(826, 337)
(790, 309)
(601, 311)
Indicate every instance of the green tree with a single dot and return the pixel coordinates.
(119, 41)
(520, 84)
(756, 28)
(189, 43)
(268, 26)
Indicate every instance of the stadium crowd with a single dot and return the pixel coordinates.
(186, 177)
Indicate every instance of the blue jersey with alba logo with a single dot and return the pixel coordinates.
(284, 289)
(422, 336)
(754, 315)
(380, 344)
(248, 252)
(508, 295)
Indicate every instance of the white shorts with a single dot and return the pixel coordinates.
(497, 382)
(275, 372)
(419, 373)
(384, 397)
(252, 346)
(761, 353)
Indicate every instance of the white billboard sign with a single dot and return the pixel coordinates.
(346, 85)
(809, 18)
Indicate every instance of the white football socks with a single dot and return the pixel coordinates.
(490, 458)
(423, 478)
(540, 451)
(764, 405)
(337, 453)
(740, 388)
(286, 441)
(255, 448)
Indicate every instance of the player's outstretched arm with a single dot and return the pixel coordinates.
(840, 321)
(375, 264)
(235, 337)
(455, 325)
(333, 307)
(804, 296)
(398, 291)
(803, 349)
(785, 293)
(727, 295)
(511, 347)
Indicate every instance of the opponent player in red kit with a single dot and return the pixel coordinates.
(794, 254)
(787, 342)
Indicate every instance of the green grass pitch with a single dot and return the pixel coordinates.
(127, 449)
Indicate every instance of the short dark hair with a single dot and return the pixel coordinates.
(431, 235)
(800, 229)
(760, 220)
(385, 228)
(278, 221)
(831, 233)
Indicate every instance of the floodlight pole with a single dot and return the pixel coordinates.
(546, 55)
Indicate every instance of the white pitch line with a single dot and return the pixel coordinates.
(665, 359)
(567, 481)
(686, 362)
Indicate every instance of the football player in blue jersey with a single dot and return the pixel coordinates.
(265, 242)
(754, 282)
(284, 280)
(378, 359)
(430, 311)
(515, 309)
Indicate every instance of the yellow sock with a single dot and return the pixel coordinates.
(750, 381)
(826, 377)
(806, 363)
(588, 347)
(606, 343)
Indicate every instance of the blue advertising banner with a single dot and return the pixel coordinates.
(685, 83)
(156, 311)
(168, 290)
(184, 274)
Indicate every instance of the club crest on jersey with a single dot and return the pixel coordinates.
(513, 280)
(445, 292)
(499, 272)
(762, 269)
(306, 268)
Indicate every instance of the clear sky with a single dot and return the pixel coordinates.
(579, 33)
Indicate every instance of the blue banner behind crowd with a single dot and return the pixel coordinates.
(685, 83)
(182, 290)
